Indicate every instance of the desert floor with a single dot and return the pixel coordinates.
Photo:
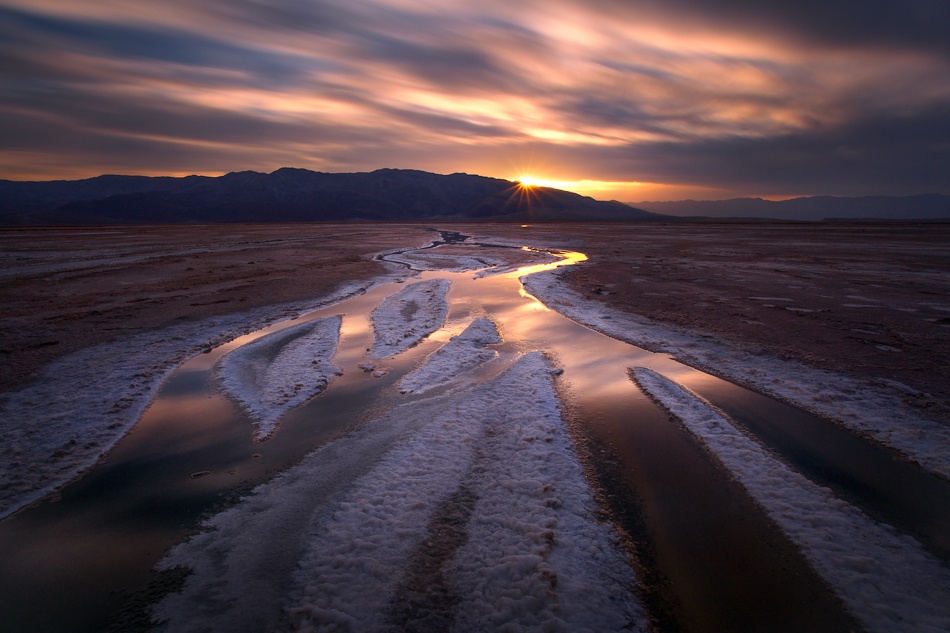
(848, 321)
(871, 300)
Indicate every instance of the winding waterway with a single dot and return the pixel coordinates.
(709, 557)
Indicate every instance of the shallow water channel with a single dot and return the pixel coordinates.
(709, 558)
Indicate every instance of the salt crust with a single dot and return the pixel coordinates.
(886, 579)
(406, 317)
(541, 254)
(420, 260)
(340, 528)
(83, 403)
(80, 405)
(462, 353)
(873, 407)
(280, 371)
(535, 559)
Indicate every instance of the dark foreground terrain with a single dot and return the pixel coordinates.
(864, 298)
(97, 319)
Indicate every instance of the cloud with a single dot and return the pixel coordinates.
(877, 155)
(760, 97)
(912, 25)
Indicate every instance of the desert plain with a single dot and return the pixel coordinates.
(846, 320)
(868, 299)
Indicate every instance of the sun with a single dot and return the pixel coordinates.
(529, 181)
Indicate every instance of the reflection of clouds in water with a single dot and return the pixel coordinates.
(463, 352)
(868, 407)
(280, 371)
(564, 258)
(888, 581)
(593, 360)
(344, 524)
(383, 518)
(84, 402)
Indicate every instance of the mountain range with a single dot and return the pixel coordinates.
(297, 195)
(400, 195)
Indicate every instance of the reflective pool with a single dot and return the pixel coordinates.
(710, 559)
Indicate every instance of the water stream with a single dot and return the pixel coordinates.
(710, 558)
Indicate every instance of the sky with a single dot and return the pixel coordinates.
(631, 100)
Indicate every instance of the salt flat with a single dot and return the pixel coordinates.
(121, 326)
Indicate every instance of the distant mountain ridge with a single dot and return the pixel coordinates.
(296, 195)
(921, 207)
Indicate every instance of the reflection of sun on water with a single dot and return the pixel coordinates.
(535, 304)
(567, 259)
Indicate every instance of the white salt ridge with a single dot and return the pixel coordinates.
(82, 404)
(540, 254)
(425, 258)
(887, 580)
(536, 559)
(363, 542)
(281, 371)
(871, 406)
(340, 529)
(255, 548)
(421, 260)
(243, 567)
(462, 353)
(406, 317)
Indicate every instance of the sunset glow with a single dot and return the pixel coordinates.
(613, 190)
(621, 100)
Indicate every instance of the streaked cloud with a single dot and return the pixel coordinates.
(730, 98)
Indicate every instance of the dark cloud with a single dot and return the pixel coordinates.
(919, 25)
(145, 119)
(130, 43)
(312, 16)
(880, 155)
(444, 64)
(908, 24)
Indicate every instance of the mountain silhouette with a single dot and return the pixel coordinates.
(298, 195)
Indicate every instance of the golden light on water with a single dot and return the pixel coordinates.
(567, 258)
